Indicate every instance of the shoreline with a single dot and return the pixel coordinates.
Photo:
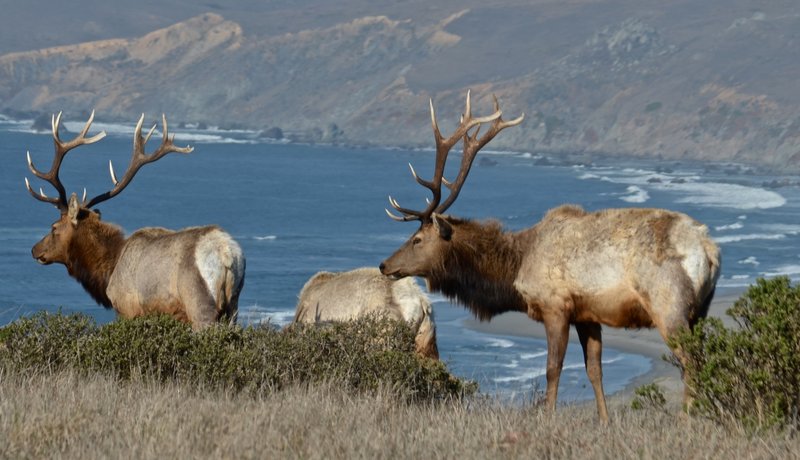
(644, 342)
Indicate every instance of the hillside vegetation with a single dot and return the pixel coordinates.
(150, 388)
(711, 80)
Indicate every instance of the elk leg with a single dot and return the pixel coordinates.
(668, 329)
(557, 331)
(590, 335)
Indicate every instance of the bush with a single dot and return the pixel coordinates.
(750, 374)
(362, 355)
(648, 396)
(44, 341)
(155, 346)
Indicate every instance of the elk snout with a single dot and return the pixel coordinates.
(386, 272)
(39, 255)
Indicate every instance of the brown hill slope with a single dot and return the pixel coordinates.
(709, 80)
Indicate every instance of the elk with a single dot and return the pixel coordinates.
(194, 274)
(349, 295)
(628, 268)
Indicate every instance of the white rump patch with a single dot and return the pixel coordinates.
(216, 253)
(695, 260)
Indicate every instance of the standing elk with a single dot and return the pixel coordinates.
(194, 274)
(627, 268)
(349, 295)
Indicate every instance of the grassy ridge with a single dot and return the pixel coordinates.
(95, 416)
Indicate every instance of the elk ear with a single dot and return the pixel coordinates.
(74, 209)
(443, 228)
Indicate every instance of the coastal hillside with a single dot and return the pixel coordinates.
(713, 80)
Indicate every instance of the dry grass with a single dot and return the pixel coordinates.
(66, 415)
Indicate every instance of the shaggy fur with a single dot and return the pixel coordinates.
(93, 254)
(195, 274)
(478, 269)
(348, 295)
(617, 267)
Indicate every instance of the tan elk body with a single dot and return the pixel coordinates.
(617, 267)
(194, 274)
(353, 294)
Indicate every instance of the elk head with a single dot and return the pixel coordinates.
(75, 214)
(423, 252)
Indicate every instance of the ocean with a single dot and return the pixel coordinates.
(298, 209)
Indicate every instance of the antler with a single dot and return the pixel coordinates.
(61, 149)
(139, 158)
(472, 144)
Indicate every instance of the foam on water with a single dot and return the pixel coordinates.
(499, 343)
(783, 270)
(690, 188)
(729, 196)
(635, 195)
(749, 236)
(733, 226)
(182, 135)
(265, 238)
(750, 261)
(533, 373)
(533, 355)
(512, 365)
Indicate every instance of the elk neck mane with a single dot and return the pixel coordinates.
(479, 268)
(93, 255)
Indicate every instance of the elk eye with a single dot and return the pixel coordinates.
(417, 240)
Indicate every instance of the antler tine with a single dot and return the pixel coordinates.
(61, 149)
(55, 122)
(139, 158)
(473, 144)
(41, 195)
(80, 139)
(443, 147)
(395, 217)
(410, 213)
(111, 170)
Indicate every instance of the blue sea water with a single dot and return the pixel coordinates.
(298, 209)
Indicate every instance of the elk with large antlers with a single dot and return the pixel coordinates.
(195, 274)
(627, 268)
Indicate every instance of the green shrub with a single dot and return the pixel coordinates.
(44, 340)
(362, 355)
(750, 374)
(648, 396)
(155, 345)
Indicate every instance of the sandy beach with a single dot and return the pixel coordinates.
(647, 342)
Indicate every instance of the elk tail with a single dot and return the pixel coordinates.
(714, 264)
(229, 290)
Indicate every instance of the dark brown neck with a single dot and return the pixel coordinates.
(93, 255)
(479, 269)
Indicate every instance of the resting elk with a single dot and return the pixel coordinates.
(194, 274)
(627, 268)
(349, 295)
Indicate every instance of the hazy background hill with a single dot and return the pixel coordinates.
(716, 79)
